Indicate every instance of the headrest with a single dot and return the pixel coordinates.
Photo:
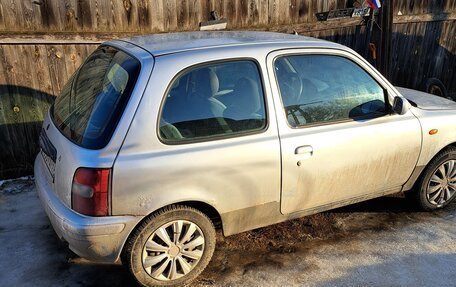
(206, 83)
(247, 95)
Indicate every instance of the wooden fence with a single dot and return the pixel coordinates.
(42, 42)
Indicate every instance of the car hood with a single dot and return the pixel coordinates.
(427, 101)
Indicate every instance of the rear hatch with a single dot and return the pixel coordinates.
(89, 119)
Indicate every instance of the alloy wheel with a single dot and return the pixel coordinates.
(173, 250)
(442, 185)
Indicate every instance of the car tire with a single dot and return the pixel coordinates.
(436, 187)
(436, 87)
(176, 236)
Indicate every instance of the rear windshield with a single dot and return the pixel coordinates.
(90, 105)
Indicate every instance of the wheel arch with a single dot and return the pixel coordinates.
(419, 170)
(204, 207)
(440, 151)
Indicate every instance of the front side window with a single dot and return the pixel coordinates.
(90, 105)
(214, 100)
(318, 89)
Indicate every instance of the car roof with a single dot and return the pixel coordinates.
(169, 43)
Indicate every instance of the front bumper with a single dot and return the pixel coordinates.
(95, 238)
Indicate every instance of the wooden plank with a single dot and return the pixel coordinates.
(237, 14)
(143, 15)
(243, 13)
(42, 73)
(273, 12)
(30, 19)
(183, 17)
(229, 8)
(263, 12)
(131, 8)
(14, 117)
(9, 11)
(419, 18)
(6, 146)
(31, 109)
(70, 19)
(194, 14)
(84, 15)
(2, 18)
(283, 12)
(100, 14)
(60, 38)
(118, 16)
(253, 13)
(56, 67)
(47, 41)
(156, 16)
(170, 15)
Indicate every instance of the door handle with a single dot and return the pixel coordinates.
(303, 152)
(305, 149)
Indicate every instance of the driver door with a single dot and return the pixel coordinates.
(339, 139)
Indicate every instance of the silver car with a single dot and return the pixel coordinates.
(156, 141)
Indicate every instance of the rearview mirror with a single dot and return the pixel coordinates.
(399, 106)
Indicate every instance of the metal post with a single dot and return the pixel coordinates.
(386, 24)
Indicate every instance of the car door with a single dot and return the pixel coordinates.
(339, 139)
(214, 141)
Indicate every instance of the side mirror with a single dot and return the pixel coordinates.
(399, 106)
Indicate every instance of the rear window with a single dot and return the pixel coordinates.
(90, 105)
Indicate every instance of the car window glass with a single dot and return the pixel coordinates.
(213, 100)
(323, 88)
(93, 100)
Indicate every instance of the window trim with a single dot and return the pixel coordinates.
(219, 136)
(76, 76)
(388, 107)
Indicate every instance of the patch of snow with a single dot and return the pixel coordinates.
(16, 185)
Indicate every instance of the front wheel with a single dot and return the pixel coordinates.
(436, 188)
(171, 247)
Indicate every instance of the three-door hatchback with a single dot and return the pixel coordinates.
(156, 141)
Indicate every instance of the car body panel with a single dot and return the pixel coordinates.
(228, 174)
(427, 101)
(95, 238)
(170, 43)
(347, 159)
(442, 120)
(71, 156)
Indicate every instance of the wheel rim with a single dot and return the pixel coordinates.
(442, 185)
(173, 250)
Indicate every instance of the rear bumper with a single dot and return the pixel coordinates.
(95, 238)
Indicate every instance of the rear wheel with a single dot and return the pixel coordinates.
(437, 186)
(171, 247)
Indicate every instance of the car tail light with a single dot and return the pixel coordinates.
(90, 191)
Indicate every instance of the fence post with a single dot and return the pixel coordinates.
(386, 24)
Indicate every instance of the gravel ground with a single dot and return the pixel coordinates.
(382, 242)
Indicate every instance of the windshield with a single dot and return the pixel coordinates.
(90, 105)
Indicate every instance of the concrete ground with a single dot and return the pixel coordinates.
(378, 243)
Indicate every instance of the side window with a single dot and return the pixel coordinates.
(323, 88)
(214, 100)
